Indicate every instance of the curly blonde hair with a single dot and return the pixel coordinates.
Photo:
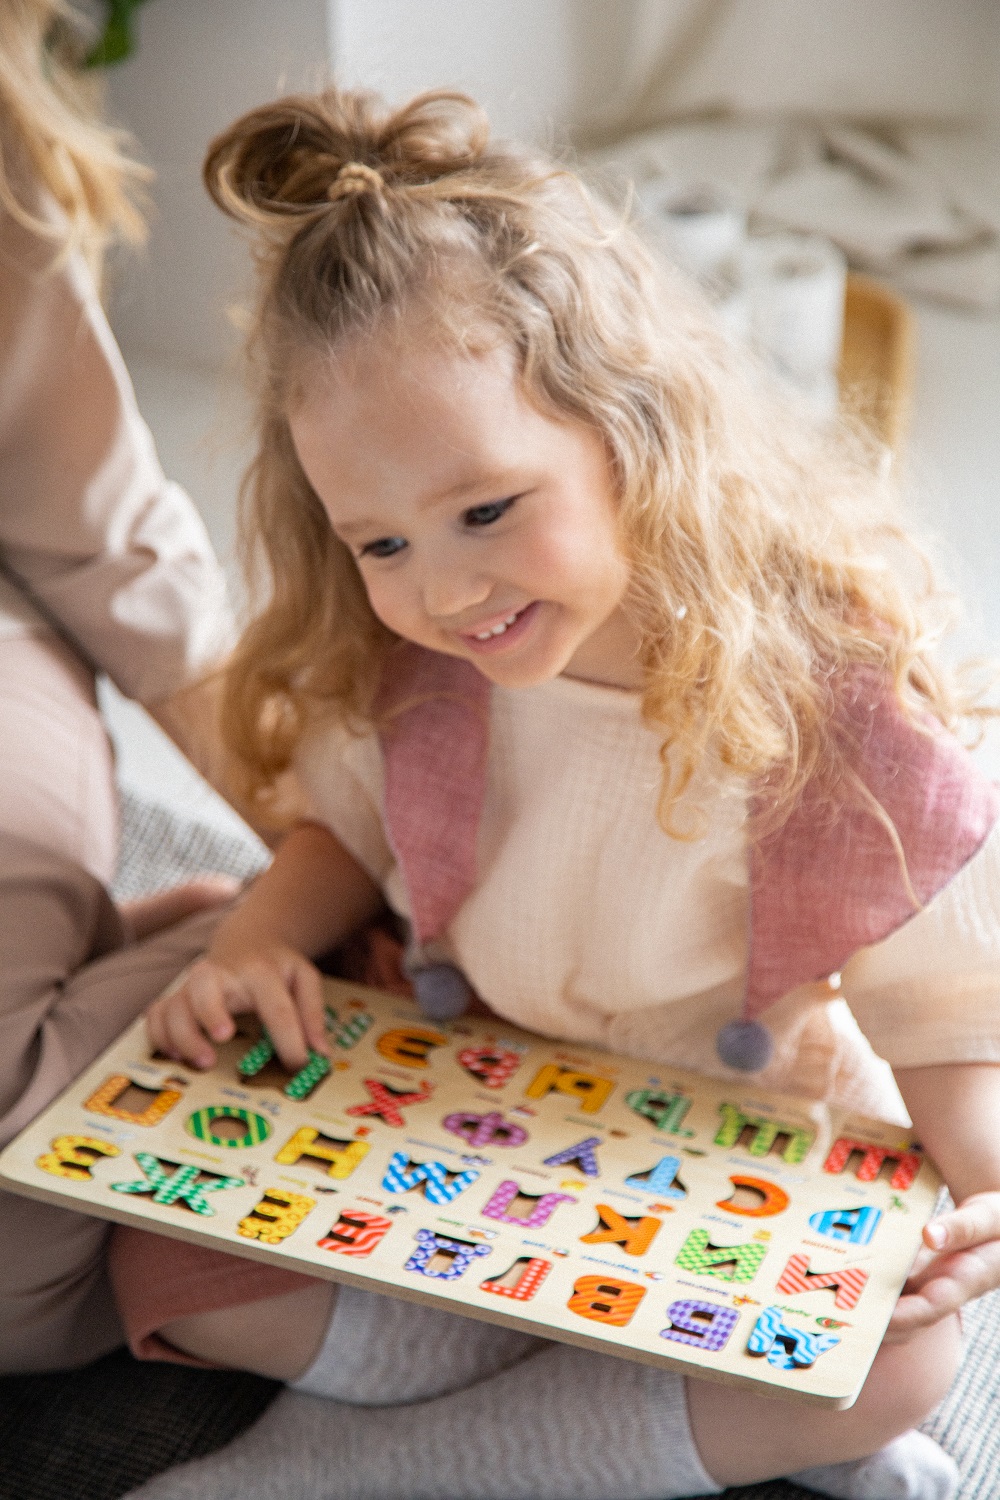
(758, 539)
(53, 140)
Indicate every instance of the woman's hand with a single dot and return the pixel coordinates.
(959, 1261)
(275, 983)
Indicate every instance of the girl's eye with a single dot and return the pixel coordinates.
(485, 515)
(385, 546)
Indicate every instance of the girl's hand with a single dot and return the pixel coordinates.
(280, 986)
(960, 1261)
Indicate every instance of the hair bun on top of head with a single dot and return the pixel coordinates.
(353, 179)
(288, 160)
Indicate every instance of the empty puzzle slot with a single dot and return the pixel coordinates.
(227, 1127)
(746, 1198)
(750, 1135)
(135, 1099)
(522, 1206)
(441, 1261)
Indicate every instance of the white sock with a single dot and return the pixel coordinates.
(382, 1351)
(911, 1468)
(562, 1424)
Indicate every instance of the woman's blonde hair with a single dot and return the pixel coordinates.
(758, 540)
(52, 139)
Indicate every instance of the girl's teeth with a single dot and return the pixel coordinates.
(486, 635)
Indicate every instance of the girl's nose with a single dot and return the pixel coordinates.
(449, 590)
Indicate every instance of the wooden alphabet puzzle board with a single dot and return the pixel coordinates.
(617, 1204)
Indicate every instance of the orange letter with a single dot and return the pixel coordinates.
(606, 1299)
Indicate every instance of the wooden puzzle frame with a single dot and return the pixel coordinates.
(621, 1205)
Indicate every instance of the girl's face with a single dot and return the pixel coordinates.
(482, 528)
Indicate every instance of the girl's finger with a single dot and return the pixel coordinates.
(974, 1222)
(306, 984)
(209, 993)
(156, 1031)
(185, 1037)
(273, 1002)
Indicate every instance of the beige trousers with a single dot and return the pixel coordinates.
(68, 986)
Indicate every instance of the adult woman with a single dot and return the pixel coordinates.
(104, 566)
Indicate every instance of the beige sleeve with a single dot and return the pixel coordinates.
(111, 548)
(341, 780)
(930, 993)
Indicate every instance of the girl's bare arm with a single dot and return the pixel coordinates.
(955, 1108)
(313, 895)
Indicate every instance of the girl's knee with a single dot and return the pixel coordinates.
(908, 1380)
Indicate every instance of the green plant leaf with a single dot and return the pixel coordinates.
(117, 41)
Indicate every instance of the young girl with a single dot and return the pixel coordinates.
(586, 651)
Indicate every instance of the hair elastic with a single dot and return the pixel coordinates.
(353, 179)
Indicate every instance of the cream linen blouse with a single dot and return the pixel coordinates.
(591, 924)
(117, 553)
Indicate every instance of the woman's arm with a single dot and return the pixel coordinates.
(955, 1109)
(113, 550)
(313, 896)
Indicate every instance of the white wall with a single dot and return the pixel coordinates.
(517, 58)
(198, 65)
(907, 59)
(535, 65)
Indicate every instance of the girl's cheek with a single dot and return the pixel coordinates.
(390, 606)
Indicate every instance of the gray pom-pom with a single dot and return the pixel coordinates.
(746, 1045)
(442, 991)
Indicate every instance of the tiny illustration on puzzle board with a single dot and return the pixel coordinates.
(566, 1191)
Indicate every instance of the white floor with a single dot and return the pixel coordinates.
(953, 487)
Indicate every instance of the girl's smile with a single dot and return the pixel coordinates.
(482, 527)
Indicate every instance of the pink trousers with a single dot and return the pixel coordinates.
(68, 986)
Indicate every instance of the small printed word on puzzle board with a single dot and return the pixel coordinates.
(558, 1189)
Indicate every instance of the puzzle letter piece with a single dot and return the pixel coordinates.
(582, 1155)
(848, 1282)
(661, 1179)
(209, 1124)
(634, 1235)
(545, 1205)
(485, 1130)
(349, 1033)
(277, 1215)
(455, 1256)
(386, 1103)
(521, 1281)
(589, 1090)
(306, 1079)
(409, 1046)
(771, 1199)
(301, 1085)
(160, 1103)
(342, 1156)
(729, 1262)
(356, 1232)
(605, 1299)
(705, 1325)
(73, 1156)
(766, 1135)
(183, 1186)
(872, 1158)
(666, 1110)
(787, 1348)
(492, 1066)
(855, 1225)
(439, 1184)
